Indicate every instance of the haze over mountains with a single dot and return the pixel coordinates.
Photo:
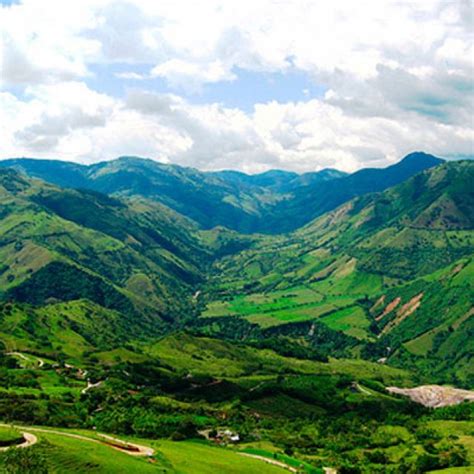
(271, 202)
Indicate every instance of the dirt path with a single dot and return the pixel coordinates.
(258, 386)
(361, 389)
(29, 438)
(125, 447)
(136, 450)
(274, 462)
(91, 385)
(26, 359)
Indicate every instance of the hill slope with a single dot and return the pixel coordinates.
(135, 257)
(204, 197)
(271, 202)
(300, 334)
(410, 248)
(311, 201)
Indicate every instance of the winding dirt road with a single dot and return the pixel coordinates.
(30, 440)
(39, 361)
(91, 385)
(124, 446)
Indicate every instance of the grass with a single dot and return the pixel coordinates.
(290, 461)
(352, 321)
(66, 454)
(463, 429)
(10, 436)
(453, 470)
(74, 455)
(283, 406)
(295, 304)
(228, 360)
(199, 458)
(53, 384)
(119, 355)
(50, 383)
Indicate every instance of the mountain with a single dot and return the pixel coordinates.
(204, 197)
(268, 179)
(134, 257)
(278, 180)
(123, 316)
(351, 278)
(271, 202)
(309, 202)
(386, 269)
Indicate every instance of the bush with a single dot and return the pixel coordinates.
(24, 460)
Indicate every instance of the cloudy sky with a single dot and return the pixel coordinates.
(250, 85)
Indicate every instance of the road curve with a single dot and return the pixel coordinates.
(30, 440)
(114, 443)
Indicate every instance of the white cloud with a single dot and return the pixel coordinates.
(399, 77)
(191, 76)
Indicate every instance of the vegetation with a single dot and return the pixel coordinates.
(9, 436)
(234, 200)
(120, 315)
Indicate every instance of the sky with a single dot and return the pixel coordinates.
(224, 84)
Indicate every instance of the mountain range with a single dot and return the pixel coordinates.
(168, 303)
(271, 202)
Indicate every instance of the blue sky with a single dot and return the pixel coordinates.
(247, 89)
(290, 84)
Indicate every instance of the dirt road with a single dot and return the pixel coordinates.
(125, 447)
(29, 438)
(274, 462)
(27, 359)
(91, 385)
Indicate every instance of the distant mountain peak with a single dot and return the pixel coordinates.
(421, 157)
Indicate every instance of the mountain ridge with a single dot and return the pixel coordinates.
(271, 202)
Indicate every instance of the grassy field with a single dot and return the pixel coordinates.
(352, 321)
(9, 436)
(193, 457)
(295, 304)
(226, 359)
(64, 454)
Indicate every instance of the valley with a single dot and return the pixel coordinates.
(312, 315)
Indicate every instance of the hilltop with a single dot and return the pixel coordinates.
(271, 202)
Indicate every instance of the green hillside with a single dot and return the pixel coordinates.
(295, 411)
(84, 452)
(229, 352)
(412, 244)
(137, 258)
